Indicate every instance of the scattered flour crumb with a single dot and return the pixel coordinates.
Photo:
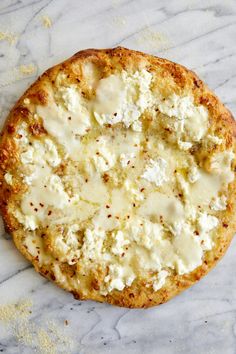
(13, 75)
(119, 21)
(46, 21)
(59, 335)
(8, 36)
(115, 3)
(27, 69)
(46, 338)
(13, 312)
(24, 334)
(153, 40)
(46, 343)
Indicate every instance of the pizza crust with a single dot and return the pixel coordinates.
(172, 77)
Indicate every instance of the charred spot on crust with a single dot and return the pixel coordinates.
(4, 156)
(197, 82)
(37, 129)
(76, 295)
(95, 284)
(21, 111)
(177, 73)
(40, 97)
(106, 177)
(11, 129)
(52, 276)
(210, 101)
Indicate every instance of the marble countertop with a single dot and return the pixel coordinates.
(36, 34)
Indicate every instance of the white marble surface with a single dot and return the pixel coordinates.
(198, 34)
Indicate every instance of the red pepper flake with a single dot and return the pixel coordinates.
(106, 177)
(122, 255)
(142, 189)
(196, 232)
(225, 225)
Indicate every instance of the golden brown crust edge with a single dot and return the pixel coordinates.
(134, 296)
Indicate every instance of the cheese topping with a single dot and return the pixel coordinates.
(156, 172)
(123, 98)
(8, 178)
(114, 188)
(188, 120)
(160, 281)
(193, 174)
(219, 203)
(66, 118)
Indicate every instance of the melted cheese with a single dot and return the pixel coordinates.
(113, 194)
(189, 121)
(66, 122)
(123, 98)
(158, 206)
